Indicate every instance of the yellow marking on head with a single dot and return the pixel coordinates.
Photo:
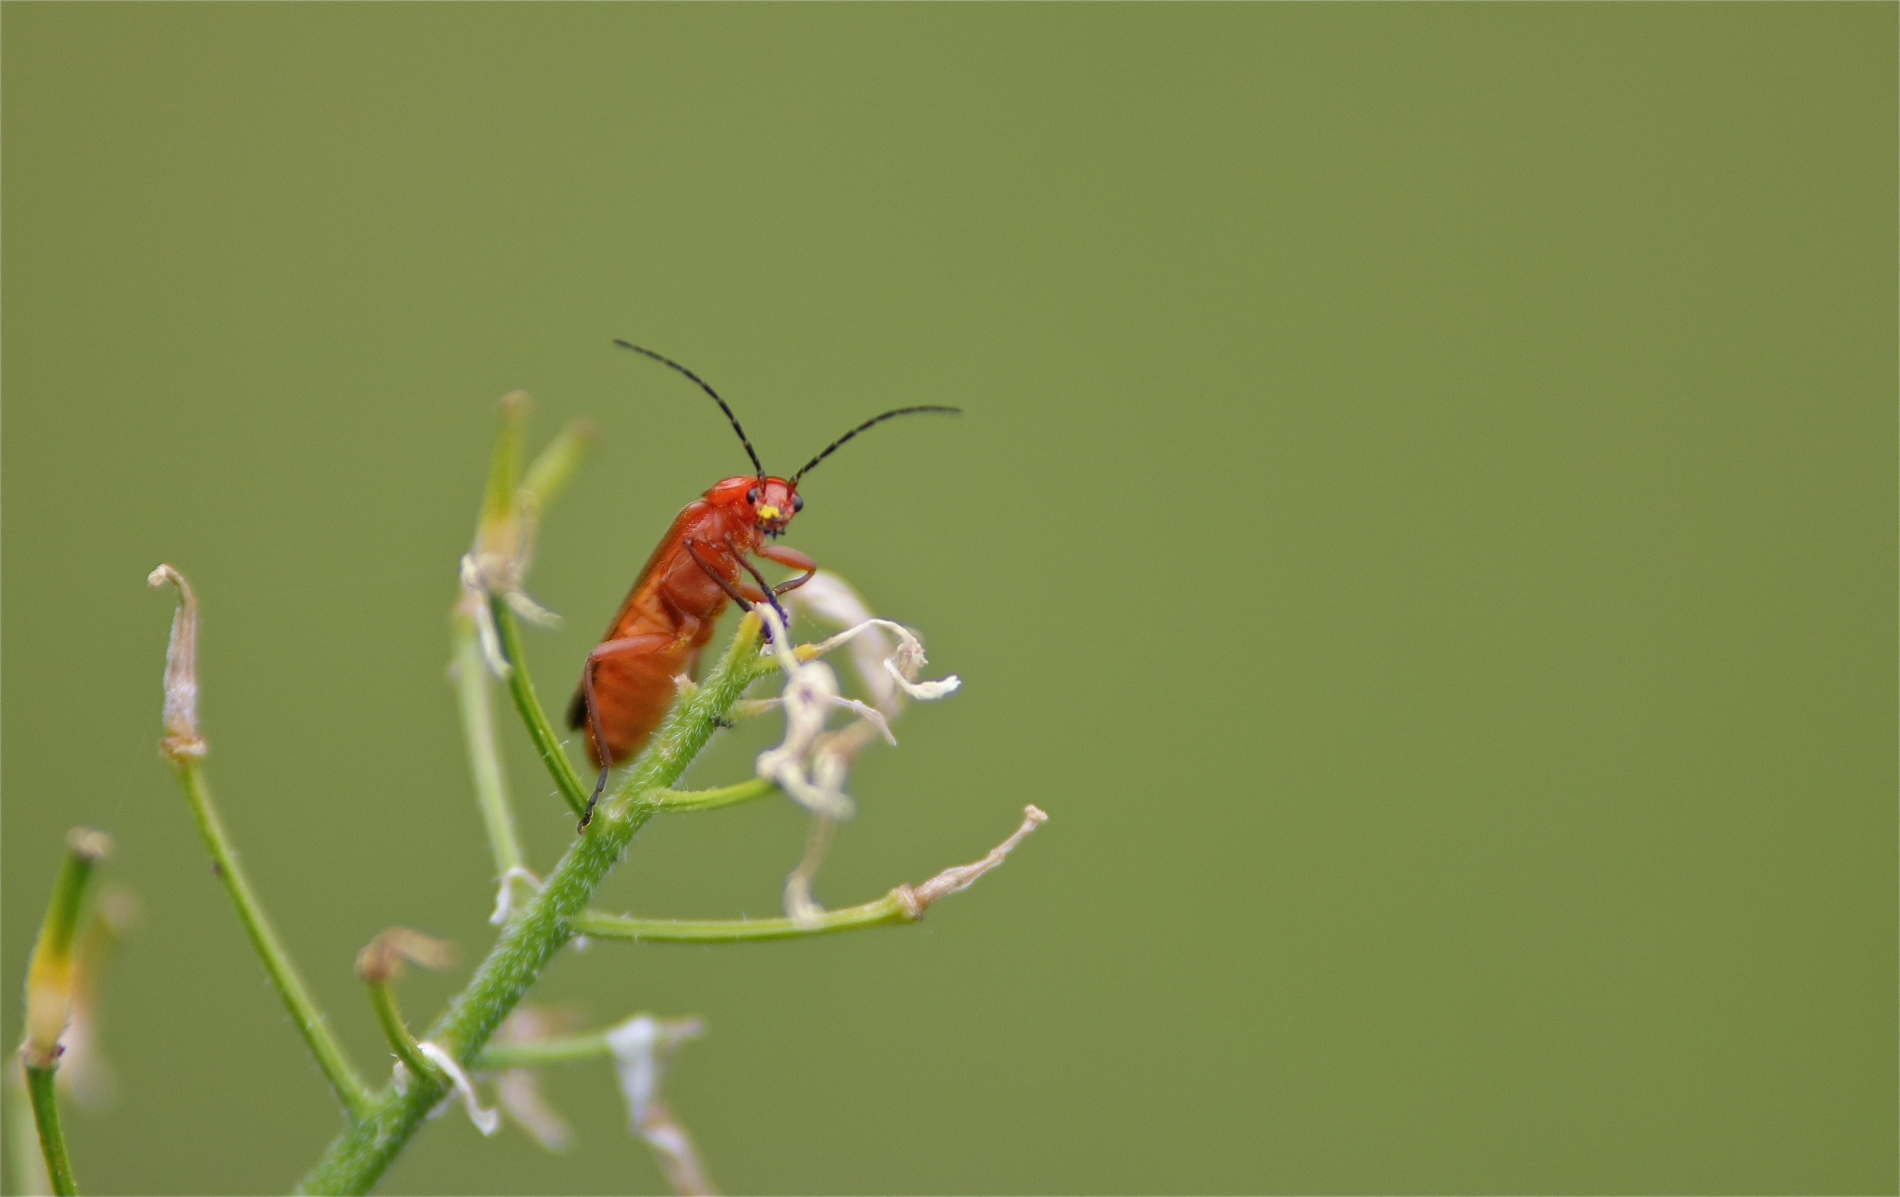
(768, 512)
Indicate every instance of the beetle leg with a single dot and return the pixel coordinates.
(608, 648)
(765, 592)
(692, 550)
(792, 559)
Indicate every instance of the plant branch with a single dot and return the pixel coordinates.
(284, 977)
(382, 999)
(364, 1151)
(504, 544)
(484, 758)
(683, 801)
(521, 688)
(59, 1169)
(553, 468)
(493, 571)
(567, 1049)
(571, 1049)
(49, 978)
(904, 904)
(379, 965)
(49, 997)
(184, 747)
(885, 911)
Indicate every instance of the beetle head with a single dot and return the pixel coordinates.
(770, 502)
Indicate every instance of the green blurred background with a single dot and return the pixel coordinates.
(1423, 526)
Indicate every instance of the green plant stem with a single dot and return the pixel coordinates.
(484, 758)
(882, 913)
(60, 928)
(521, 687)
(49, 974)
(27, 1162)
(382, 999)
(364, 1151)
(553, 468)
(59, 1169)
(565, 1050)
(682, 801)
(283, 974)
(49, 996)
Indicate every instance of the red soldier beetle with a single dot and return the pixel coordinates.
(627, 684)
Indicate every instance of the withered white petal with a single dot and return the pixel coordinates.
(505, 893)
(486, 1121)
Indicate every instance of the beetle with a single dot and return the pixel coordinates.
(628, 681)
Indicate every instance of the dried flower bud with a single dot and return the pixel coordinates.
(382, 960)
(181, 740)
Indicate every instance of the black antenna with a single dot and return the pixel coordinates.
(749, 452)
(902, 411)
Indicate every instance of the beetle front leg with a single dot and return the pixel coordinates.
(765, 592)
(790, 558)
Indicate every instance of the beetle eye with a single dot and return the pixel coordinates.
(752, 496)
(798, 503)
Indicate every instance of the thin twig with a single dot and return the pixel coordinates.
(905, 904)
(882, 913)
(49, 997)
(382, 1000)
(521, 689)
(185, 748)
(309, 1020)
(684, 801)
(484, 757)
(539, 1053)
(59, 1169)
(378, 965)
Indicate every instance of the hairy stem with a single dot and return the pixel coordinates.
(364, 1151)
(283, 974)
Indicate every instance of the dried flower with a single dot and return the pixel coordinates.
(486, 1120)
(382, 960)
(84, 1074)
(505, 893)
(961, 877)
(181, 671)
(504, 538)
(642, 1047)
(518, 1090)
(813, 762)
